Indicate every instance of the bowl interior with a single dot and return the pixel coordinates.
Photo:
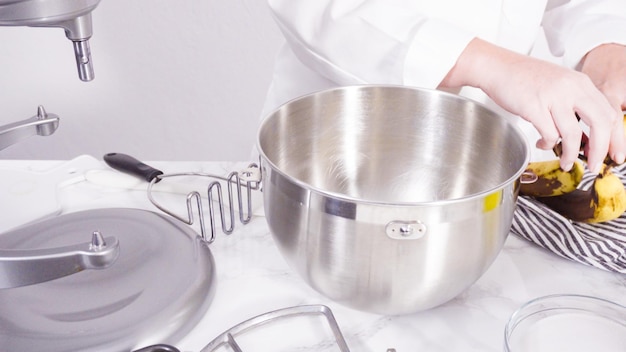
(393, 144)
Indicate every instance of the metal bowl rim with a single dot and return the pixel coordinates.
(344, 197)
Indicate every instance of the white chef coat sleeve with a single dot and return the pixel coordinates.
(370, 41)
(575, 27)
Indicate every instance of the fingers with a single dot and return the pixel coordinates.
(560, 124)
(601, 119)
(547, 129)
(605, 65)
(606, 133)
(571, 133)
(617, 146)
(546, 143)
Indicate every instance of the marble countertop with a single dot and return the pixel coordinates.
(252, 278)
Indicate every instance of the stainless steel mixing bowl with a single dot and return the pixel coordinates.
(389, 199)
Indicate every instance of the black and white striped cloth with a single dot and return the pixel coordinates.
(600, 245)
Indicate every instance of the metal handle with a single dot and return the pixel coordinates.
(130, 165)
(43, 124)
(31, 266)
(528, 177)
(237, 184)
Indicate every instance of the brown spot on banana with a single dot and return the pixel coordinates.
(551, 180)
(603, 201)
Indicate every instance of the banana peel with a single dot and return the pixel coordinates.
(604, 200)
(550, 180)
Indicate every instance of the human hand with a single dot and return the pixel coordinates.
(547, 95)
(606, 67)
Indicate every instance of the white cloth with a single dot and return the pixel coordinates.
(601, 245)
(416, 42)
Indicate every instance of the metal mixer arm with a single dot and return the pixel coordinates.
(71, 15)
(43, 124)
(32, 266)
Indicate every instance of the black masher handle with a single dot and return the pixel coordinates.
(128, 164)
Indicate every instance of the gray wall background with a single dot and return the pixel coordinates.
(175, 80)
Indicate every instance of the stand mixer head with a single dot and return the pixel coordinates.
(74, 16)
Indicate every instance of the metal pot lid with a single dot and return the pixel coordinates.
(155, 292)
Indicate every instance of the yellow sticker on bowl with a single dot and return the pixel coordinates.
(492, 201)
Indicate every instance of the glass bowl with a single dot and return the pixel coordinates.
(567, 323)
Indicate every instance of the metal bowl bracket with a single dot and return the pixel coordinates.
(405, 230)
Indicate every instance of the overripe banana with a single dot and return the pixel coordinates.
(604, 200)
(551, 179)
